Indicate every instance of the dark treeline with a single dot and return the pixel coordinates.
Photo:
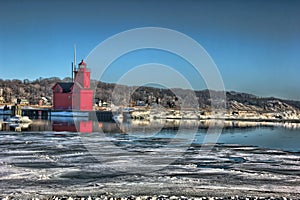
(34, 90)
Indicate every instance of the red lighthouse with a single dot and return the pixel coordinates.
(82, 93)
(75, 95)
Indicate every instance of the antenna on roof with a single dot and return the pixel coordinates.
(74, 55)
(72, 71)
(74, 63)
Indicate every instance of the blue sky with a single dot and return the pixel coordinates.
(255, 44)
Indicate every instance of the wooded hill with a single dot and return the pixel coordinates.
(33, 91)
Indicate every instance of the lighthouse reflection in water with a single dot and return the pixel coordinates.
(72, 125)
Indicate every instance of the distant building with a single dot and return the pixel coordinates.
(75, 95)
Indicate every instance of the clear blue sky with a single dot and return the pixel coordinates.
(255, 44)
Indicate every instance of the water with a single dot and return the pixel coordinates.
(265, 137)
(150, 159)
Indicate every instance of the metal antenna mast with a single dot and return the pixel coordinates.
(74, 56)
(74, 63)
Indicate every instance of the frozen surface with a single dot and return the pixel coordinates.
(47, 163)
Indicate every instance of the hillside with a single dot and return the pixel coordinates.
(33, 91)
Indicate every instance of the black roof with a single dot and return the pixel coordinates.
(66, 86)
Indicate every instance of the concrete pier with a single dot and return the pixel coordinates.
(101, 116)
(37, 113)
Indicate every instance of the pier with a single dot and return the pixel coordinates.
(43, 113)
(104, 116)
(47, 113)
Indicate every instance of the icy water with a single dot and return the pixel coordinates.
(151, 159)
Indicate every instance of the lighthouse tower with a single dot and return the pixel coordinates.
(82, 93)
(82, 75)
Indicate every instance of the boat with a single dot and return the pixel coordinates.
(19, 126)
(19, 119)
(18, 123)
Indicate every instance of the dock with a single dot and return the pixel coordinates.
(47, 113)
(44, 113)
(104, 116)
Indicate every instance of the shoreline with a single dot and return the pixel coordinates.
(146, 113)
